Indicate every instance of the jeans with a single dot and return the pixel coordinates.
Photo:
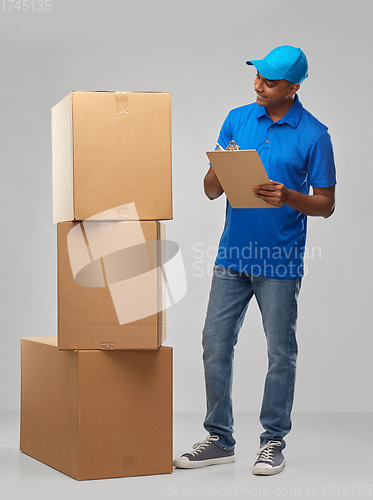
(230, 295)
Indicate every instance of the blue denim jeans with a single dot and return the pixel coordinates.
(230, 295)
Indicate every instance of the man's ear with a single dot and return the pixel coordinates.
(294, 87)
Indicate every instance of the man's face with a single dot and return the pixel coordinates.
(273, 93)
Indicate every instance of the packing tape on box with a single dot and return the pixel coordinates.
(123, 212)
(133, 269)
(121, 101)
(107, 346)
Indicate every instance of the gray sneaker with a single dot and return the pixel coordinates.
(270, 459)
(204, 453)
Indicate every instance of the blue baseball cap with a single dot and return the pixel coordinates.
(283, 63)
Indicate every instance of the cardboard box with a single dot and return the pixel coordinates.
(110, 149)
(96, 414)
(112, 291)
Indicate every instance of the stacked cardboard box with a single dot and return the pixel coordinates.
(96, 400)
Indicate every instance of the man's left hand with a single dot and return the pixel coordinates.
(275, 193)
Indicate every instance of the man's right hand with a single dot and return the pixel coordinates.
(212, 185)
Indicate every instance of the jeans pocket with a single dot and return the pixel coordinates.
(225, 272)
(219, 271)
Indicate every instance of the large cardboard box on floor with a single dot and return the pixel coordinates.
(110, 149)
(96, 414)
(112, 291)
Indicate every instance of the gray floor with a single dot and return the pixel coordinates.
(327, 456)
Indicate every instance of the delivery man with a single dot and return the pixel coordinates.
(261, 254)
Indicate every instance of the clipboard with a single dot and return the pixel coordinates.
(239, 172)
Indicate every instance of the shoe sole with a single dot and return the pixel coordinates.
(262, 470)
(183, 464)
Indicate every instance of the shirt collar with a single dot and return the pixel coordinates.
(292, 117)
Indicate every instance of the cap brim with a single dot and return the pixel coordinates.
(265, 70)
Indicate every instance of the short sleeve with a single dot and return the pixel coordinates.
(225, 135)
(321, 167)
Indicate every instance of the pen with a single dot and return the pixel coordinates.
(218, 145)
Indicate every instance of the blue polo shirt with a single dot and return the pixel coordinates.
(296, 151)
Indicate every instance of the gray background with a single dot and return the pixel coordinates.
(197, 51)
